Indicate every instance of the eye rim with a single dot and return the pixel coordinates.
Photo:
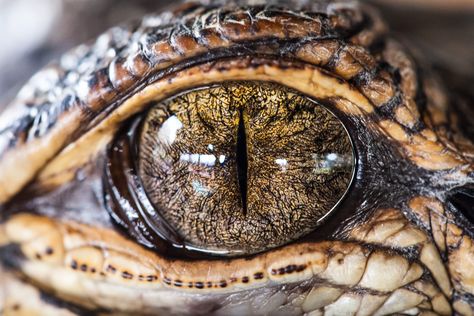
(284, 71)
(129, 135)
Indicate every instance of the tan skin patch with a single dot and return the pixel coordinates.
(118, 262)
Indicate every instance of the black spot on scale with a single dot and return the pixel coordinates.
(245, 279)
(127, 275)
(111, 269)
(67, 103)
(462, 199)
(83, 267)
(199, 285)
(151, 278)
(386, 110)
(167, 280)
(258, 276)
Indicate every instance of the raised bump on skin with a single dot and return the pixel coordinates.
(338, 263)
(337, 268)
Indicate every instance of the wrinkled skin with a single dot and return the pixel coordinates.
(400, 242)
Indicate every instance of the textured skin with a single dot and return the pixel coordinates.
(395, 246)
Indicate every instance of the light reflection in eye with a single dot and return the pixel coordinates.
(199, 159)
(326, 163)
(282, 163)
(323, 163)
(169, 130)
(201, 189)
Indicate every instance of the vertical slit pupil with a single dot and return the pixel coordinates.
(242, 160)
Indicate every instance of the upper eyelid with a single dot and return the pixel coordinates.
(106, 83)
(64, 166)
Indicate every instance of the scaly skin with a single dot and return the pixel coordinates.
(397, 244)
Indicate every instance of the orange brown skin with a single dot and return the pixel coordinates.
(411, 155)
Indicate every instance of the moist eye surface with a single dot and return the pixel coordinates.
(244, 166)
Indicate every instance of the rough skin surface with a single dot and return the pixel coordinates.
(401, 242)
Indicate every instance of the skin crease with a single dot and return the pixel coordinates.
(400, 242)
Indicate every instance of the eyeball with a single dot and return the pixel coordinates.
(240, 167)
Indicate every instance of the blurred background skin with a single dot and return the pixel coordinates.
(33, 32)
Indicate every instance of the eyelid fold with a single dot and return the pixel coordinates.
(305, 78)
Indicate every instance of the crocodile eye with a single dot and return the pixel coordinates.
(231, 169)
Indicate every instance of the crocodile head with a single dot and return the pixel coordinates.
(239, 158)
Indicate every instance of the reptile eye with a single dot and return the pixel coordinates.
(231, 169)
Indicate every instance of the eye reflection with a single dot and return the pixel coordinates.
(243, 167)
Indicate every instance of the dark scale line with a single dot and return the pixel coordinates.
(242, 160)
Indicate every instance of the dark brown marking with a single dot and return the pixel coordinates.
(151, 278)
(111, 268)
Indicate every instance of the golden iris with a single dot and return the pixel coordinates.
(243, 166)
